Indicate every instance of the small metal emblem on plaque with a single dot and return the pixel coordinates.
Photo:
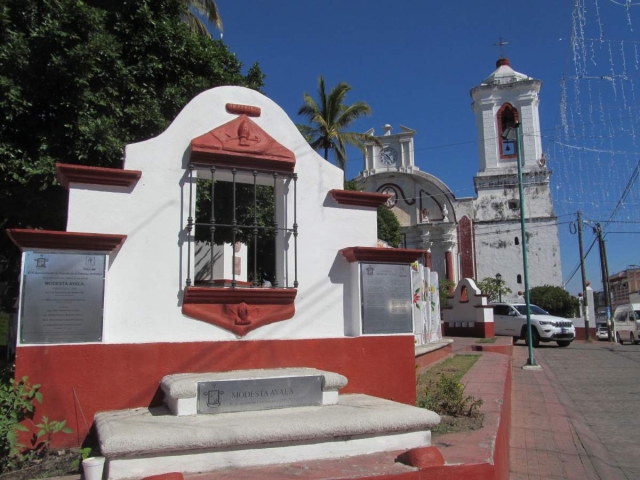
(226, 396)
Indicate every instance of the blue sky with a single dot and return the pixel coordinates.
(414, 62)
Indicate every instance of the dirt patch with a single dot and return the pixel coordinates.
(57, 464)
(456, 425)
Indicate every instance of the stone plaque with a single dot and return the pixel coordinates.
(259, 394)
(62, 298)
(386, 298)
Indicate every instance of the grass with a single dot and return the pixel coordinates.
(456, 366)
(487, 340)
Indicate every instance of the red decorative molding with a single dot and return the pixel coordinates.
(241, 143)
(66, 174)
(388, 255)
(361, 199)
(239, 310)
(503, 61)
(26, 239)
(248, 110)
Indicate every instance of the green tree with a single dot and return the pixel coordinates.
(555, 300)
(205, 8)
(494, 288)
(329, 118)
(81, 79)
(445, 288)
(388, 226)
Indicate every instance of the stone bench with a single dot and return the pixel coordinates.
(144, 441)
(181, 390)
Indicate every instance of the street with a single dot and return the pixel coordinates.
(598, 384)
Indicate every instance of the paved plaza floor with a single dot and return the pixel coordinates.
(579, 417)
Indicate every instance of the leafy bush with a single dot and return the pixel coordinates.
(16, 404)
(554, 300)
(494, 288)
(445, 285)
(446, 397)
(388, 226)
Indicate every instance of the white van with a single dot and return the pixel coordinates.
(626, 323)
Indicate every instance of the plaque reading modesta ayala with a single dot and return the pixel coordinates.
(226, 396)
(62, 298)
(386, 298)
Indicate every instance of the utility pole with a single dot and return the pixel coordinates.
(585, 306)
(605, 281)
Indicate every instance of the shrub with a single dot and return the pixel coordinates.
(494, 288)
(16, 405)
(445, 286)
(554, 300)
(446, 397)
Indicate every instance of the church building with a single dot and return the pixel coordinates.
(477, 237)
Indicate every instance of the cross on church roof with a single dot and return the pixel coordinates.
(501, 43)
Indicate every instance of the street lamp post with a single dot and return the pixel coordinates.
(499, 284)
(513, 133)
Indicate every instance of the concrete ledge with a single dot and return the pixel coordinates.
(432, 352)
(181, 389)
(185, 385)
(144, 441)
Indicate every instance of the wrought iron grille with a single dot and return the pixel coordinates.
(255, 229)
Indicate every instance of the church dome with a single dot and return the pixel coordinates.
(504, 74)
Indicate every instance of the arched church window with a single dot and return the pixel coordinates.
(507, 117)
(517, 241)
(519, 279)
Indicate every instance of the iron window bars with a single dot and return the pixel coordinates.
(254, 227)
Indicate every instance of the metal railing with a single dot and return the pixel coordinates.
(256, 230)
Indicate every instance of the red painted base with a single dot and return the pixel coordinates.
(80, 380)
(581, 333)
(479, 330)
(432, 357)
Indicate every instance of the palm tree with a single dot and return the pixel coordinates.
(207, 8)
(329, 118)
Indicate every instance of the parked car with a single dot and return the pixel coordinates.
(511, 319)
(602, 333)
(626, 323)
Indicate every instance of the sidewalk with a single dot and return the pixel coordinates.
(550, 439)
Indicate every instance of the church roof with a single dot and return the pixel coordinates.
(504, 74)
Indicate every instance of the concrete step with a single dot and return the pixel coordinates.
(143, 442)
(181, 390)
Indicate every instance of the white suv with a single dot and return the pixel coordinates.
(511, 319)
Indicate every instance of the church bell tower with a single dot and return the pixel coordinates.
(506, 99)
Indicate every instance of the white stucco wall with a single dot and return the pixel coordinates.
(143, 298)
(468, 310)
(498, 253)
